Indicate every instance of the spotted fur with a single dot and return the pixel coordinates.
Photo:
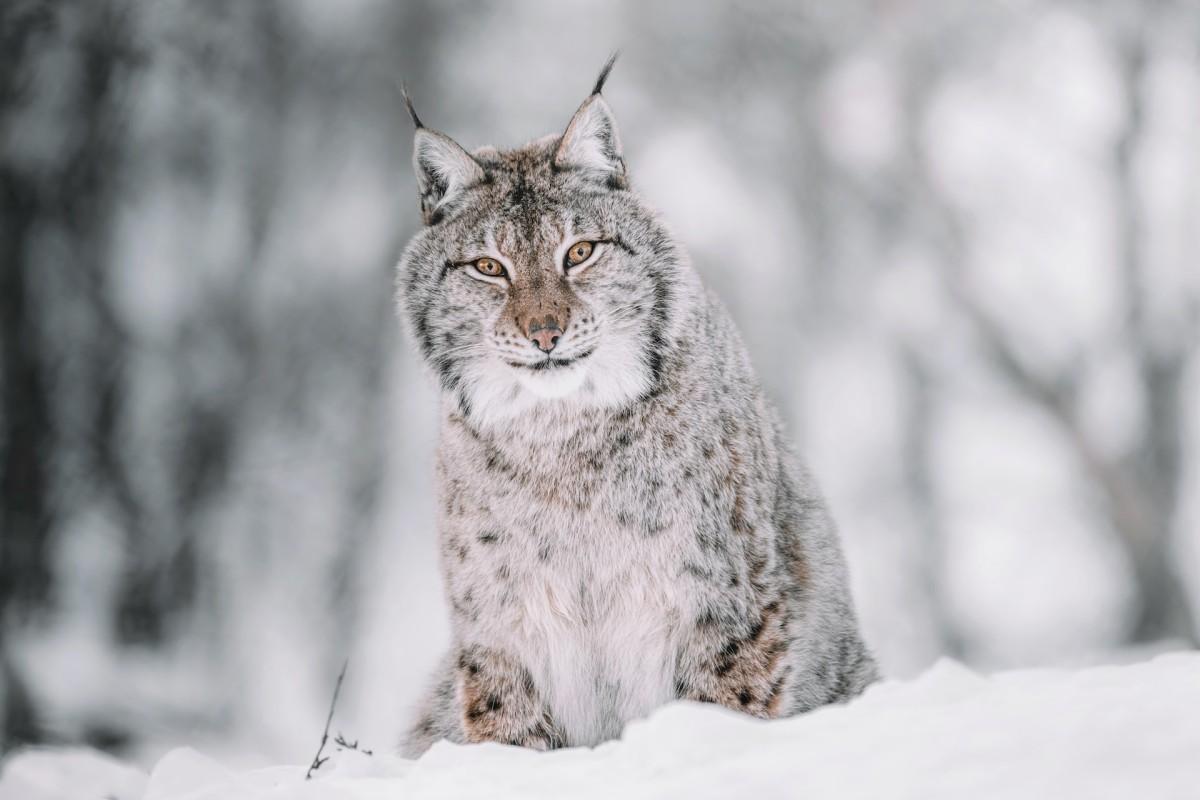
(621, 523)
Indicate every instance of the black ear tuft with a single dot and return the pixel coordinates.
(412, 112)
(599, 87)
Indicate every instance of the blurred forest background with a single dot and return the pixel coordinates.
(961, 240)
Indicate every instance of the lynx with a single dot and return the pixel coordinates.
(621, 523)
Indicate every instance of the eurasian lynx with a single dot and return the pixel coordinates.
(621, 523)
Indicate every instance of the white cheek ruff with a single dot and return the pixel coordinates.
(612, 376)
(616, 373)
(553, 384)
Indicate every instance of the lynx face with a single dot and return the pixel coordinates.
(540, 276)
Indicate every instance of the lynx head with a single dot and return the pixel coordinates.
(539, 277)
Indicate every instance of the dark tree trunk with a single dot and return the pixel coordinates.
(26, 434)
(68, 202)
(1155, 468)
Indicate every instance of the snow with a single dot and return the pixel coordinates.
(68, 773)
(1109, 731)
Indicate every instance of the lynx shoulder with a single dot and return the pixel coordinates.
(620, 521)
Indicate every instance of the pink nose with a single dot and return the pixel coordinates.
(545, 337)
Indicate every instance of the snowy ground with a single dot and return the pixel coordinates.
(1127, 731)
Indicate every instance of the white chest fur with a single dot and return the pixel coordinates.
(585, 599)
(599, 632)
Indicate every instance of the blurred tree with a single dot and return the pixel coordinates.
(25, 508)
(1139, 491)
(56, 218)
(1142, 489)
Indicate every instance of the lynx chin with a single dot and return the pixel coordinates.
(621, 522)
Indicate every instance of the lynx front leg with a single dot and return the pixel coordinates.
(499, 702)
(740, 664)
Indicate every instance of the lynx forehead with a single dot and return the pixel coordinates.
(620, 522)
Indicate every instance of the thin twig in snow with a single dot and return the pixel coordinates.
(317, 759)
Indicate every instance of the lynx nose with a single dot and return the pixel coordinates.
(545, 335)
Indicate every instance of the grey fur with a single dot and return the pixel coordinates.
(621, 523)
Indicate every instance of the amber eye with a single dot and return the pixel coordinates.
(579, 253)
(490, 267)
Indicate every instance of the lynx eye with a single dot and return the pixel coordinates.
(579, 253)
(489, 267)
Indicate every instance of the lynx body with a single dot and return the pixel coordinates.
(620, 522)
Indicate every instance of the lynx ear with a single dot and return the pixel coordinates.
(591, 143)
(444, 170)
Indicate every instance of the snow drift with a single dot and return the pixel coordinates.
(1124, 731)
